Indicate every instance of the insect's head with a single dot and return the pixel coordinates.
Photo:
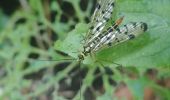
(80, 56)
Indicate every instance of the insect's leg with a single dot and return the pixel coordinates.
(116, 63)
(119, 66)
(111, 62)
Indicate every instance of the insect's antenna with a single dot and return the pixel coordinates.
(50, 59)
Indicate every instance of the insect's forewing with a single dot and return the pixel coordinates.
(122, 34)
(101, 16)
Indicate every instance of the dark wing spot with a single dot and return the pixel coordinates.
(131, 36)
(113, 4)
(126, 29)
(101, 35)
(117, 40)
(126, 33)
(91, 27)
(97, 39)
(110, 30)
(118, 30)
(103, 12)
(98, 28)
(98, 6)
(109, 44)
(93, 42)
(105, 18)
(134, 24)
(108, 38)
(116, 26)
(144, 27)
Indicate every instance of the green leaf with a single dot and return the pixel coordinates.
(149, 50)
(72, 44)
(3, 20)
(137, 87)
(106, 96)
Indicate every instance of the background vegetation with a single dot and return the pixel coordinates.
(35, 31)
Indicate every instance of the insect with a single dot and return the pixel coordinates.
(99, 37)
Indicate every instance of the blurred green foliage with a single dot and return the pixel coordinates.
(28, 34)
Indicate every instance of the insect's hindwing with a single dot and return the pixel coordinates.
(122, 34)
(101, 16)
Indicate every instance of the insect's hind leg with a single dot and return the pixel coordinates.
(104, 60)
(119, 66)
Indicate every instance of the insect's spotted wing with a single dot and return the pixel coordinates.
(101, 16)
(128, 32)
(122, 34)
